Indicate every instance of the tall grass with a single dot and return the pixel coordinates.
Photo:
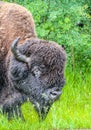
(72, 110)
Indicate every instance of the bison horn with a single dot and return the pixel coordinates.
(16, 52)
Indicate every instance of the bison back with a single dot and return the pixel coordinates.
(15, 21)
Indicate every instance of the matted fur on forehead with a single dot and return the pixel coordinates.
(49, 53)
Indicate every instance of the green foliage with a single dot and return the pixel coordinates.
(58, 21)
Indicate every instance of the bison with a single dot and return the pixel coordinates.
(30, 68)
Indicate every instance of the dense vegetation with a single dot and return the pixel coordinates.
(67, 22)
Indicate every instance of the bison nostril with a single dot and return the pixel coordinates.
(53, 93)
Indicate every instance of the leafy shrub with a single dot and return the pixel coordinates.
(67, 22)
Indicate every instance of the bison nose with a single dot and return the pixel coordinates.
(54, 94)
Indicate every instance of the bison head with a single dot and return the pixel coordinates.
(37, 70)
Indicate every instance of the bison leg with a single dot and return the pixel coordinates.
(12, 106)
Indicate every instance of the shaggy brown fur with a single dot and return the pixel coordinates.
(15, 21)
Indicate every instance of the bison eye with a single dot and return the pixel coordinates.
(36, 72)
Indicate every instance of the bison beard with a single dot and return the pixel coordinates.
(32, 70)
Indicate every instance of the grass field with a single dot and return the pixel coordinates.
(73, 110)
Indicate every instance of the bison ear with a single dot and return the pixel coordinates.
(20, 57)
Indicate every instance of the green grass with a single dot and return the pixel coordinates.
(73, 110)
